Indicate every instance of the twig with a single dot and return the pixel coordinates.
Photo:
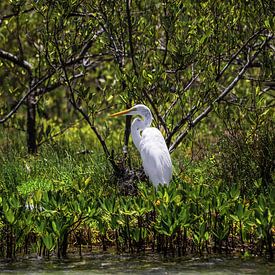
(14, 59)
(37, 84)
(160, 118)
(193, 123)
(8, 16)
(24, 64)
(47, 89)
(79, 109)
(118, 53)
(59, 132)
(180, 124)
(184, 90)
(195, 108)
(166, 36)
(84, 49)
(234, 56)
(130, 35)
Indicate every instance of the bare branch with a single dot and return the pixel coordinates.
(89, 43)
(59, 132)
(154, 107)
(184, 90)
(14, 59)
(55, 85)
(8, 16)
(37, 84)
(27, 66)
(180, 124)
(234, 56)
(84, 50)
(193, 123)
(80, 110)
(130, 35)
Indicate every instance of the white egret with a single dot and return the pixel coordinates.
(151, 145)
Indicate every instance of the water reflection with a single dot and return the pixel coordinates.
(106, 263)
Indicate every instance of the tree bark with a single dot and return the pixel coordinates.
(31, 123)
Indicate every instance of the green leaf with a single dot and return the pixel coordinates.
(38, 195)
(9, 216)
(235, 218)
(54, 226)
(48, 241)
(87, 181)
(267, 23)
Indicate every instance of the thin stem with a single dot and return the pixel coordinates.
(193, 123)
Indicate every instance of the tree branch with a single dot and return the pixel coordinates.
(193, 123)
(79, 109)
(130, 35)
(195, 108)
(59, 132)
(55, 85)
(27, 66)
(8, 16)
(84, 50)
(160, 118)
(14, 59)
(234, 56)
(37, 84)
(180, 124)
(184, 90)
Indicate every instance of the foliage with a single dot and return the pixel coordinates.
(205, 69)
(57, 203)
(76, 60)
(247, 158)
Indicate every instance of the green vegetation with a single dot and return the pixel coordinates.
(61, 201)
(69, 175)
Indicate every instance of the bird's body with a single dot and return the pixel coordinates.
(155, 156)
(151, 145)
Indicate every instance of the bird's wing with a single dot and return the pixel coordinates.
(155, 156)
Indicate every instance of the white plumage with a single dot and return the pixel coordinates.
(155, 156)
(150, 143)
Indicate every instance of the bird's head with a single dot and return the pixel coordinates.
(138, 109)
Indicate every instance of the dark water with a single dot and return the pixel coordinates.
(149, 264)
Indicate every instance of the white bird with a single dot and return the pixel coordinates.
(151, 145)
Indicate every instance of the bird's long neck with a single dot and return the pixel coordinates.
(136, 134)
(147, 119)
(138, 125)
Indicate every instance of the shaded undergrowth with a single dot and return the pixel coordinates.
(60, 201)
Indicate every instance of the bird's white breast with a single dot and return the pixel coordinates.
(155, 156)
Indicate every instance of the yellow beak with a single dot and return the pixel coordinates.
(121, 113)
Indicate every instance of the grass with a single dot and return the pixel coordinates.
(55, 165)
(61, 200)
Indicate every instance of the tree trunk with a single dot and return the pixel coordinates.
(31, 124)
